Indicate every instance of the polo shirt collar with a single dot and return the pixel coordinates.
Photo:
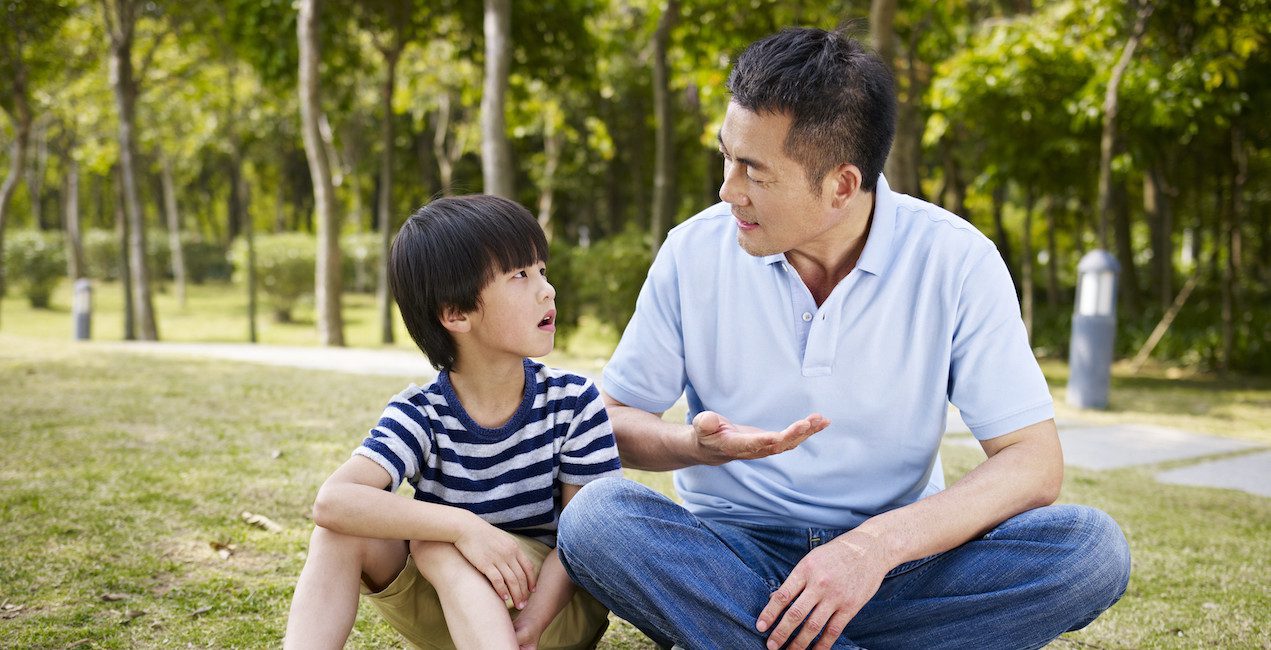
(878, 251)
(879, 248)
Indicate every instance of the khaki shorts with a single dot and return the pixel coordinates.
(411, 606)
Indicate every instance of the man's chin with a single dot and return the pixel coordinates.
(754, 248)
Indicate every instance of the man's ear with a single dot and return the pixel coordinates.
(455, 320)
(844, 183)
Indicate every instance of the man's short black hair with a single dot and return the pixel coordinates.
(841, 99)
(447, 252)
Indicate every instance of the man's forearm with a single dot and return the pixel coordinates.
(1020, 476)
(647, 442)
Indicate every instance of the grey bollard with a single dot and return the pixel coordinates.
(1094, 327)
(82, 309)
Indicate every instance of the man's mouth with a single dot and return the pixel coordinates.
(744, 224)
(548, 323)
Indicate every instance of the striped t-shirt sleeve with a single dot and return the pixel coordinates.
(589, 451)
(399, 441)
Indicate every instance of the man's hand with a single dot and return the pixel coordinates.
(500, 559)
(824, 591)
(721, 441)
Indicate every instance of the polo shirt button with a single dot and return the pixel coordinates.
(807, 316)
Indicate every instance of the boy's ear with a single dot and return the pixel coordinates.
(455, 320)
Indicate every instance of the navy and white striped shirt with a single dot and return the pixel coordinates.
(507, 476)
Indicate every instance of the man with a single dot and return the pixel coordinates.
(819, 323)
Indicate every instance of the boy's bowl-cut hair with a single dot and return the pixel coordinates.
(447, 252)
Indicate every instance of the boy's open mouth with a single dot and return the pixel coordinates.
(549, 321)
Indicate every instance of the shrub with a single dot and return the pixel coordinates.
(202, 260)
(607, 276)
(284, 269)
(360, 255)
(35, 261)
(205, 260)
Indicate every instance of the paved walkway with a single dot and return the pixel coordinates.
(1216, 462)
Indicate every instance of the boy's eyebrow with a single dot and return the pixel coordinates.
(751, 163)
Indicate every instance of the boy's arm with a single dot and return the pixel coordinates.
(353, 501)
(554, 591)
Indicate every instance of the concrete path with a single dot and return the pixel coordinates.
(1085, 446)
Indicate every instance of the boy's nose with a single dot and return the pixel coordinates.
(549, 292)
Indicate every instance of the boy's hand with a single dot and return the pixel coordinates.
(528, 631)
(500, 559)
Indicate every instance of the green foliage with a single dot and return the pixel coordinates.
(604, 278)
(360, 255)
(35, 261)
(284, 269)
(203, 260)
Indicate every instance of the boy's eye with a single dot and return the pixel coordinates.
(521, 274)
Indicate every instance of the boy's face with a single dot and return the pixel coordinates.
(517, 314)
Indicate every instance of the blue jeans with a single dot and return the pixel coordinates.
(701, 584)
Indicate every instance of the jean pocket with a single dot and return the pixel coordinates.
(911, 565)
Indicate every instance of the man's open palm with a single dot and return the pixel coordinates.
(723, 441)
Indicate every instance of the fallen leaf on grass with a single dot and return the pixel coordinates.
(275, 454)
(9, 610)
(223, 549)
(133, 614)
(78, 644)
(261, 521)
(201, 611)
(112, 597)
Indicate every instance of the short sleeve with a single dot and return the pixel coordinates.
(399, 441)
(589, 451)
(646, 370)
(994, 379)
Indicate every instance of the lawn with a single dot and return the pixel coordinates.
(125, 477)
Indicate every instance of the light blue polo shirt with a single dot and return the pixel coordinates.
(928, 316)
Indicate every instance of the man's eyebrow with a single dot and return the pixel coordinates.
(753, 164)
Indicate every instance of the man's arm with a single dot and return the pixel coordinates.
(646, 441)
(1024, 470)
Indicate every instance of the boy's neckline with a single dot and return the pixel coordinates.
(513, 423)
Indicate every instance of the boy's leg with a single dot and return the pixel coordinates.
(475, 615)
(1035, 576)
(324, 606)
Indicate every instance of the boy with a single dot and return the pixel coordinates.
(495, 448)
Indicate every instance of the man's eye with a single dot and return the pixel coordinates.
(752, 179)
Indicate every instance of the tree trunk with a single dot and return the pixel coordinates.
(22, 126)
(39, 162)
(74, 241)
(1003, 238)
(383, 296)
(1026, 270)
(1158, 224)
(126, 91)
(551, 160)
(664, 155)
(443, 154)
(1130, 290)
(1107, 141)
(496, 151)
(174, 227)
(1052, 255)
(1232, 241)
(125, 266)
(327, 281)
(882, 35)
(954, 194)
(249, 234)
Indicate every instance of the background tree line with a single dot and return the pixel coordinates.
(144, 139)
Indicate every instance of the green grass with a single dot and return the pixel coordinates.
(120, 471)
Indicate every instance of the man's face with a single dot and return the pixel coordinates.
(775, 208)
